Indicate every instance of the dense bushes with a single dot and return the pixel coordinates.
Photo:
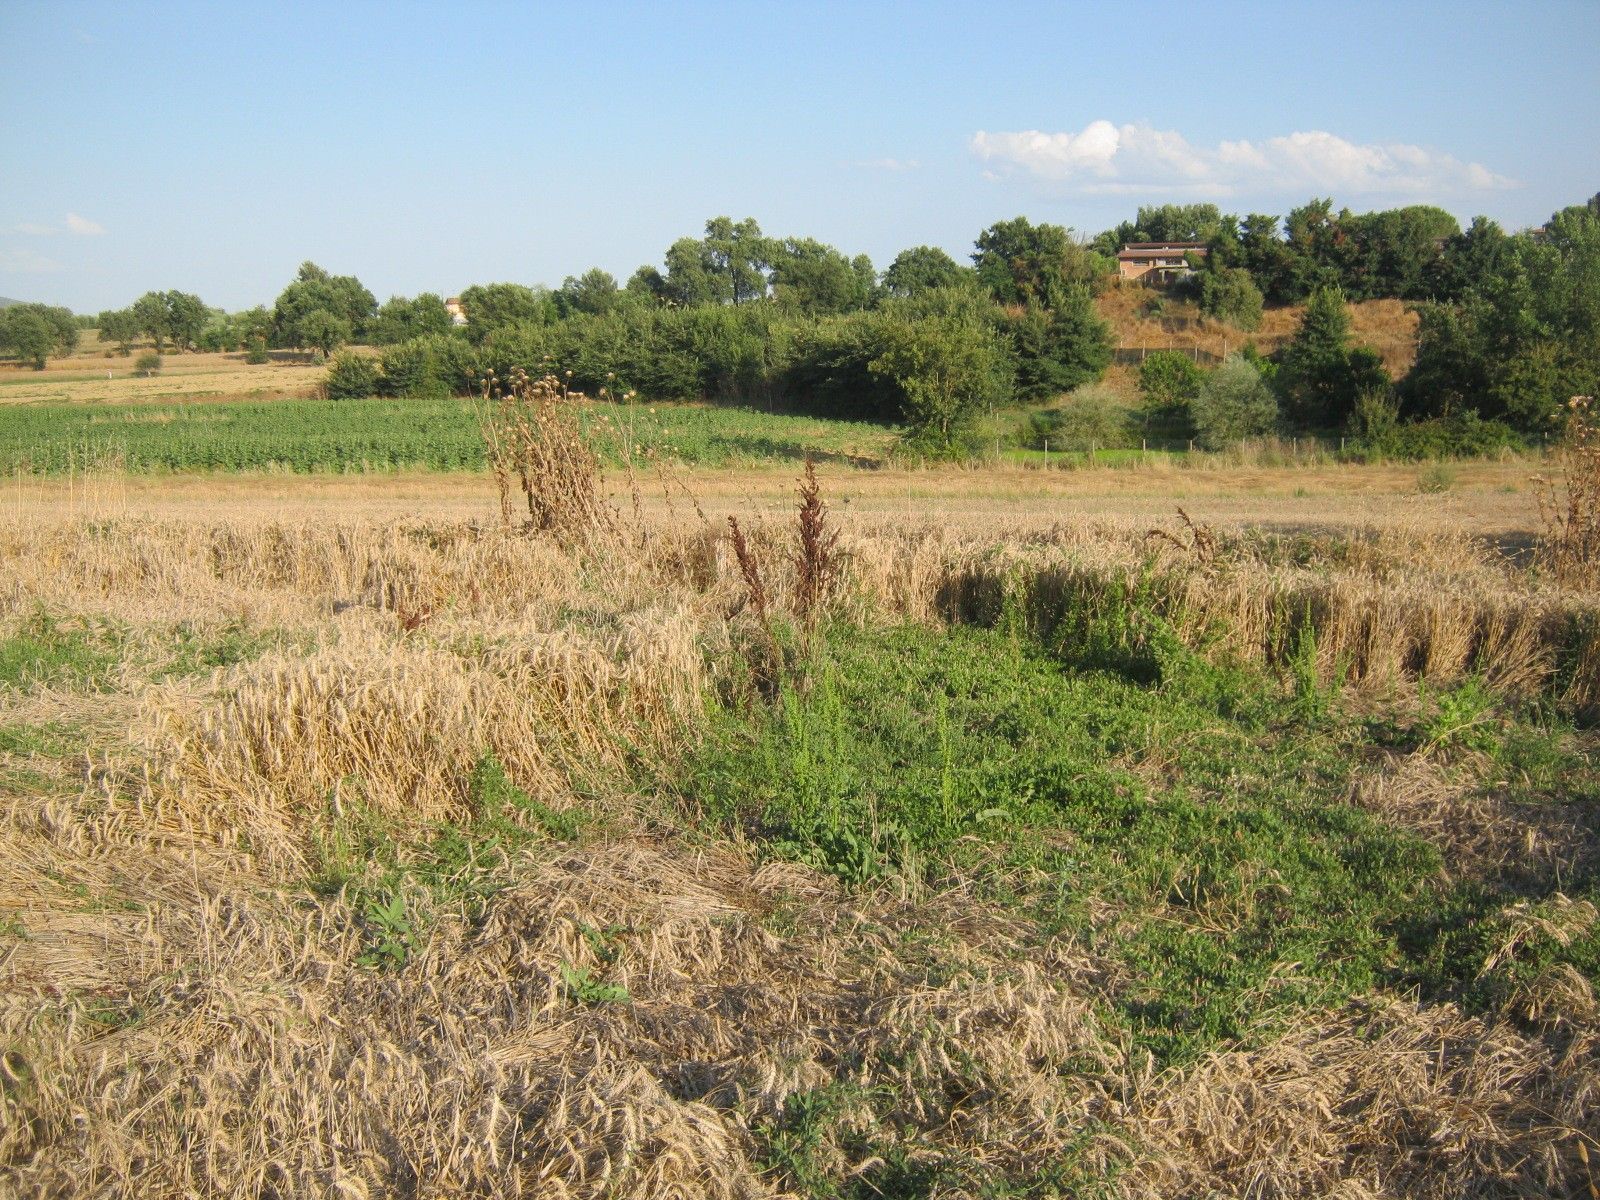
(351, 376)
(1233, 403)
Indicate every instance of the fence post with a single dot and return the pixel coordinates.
(1047, 454)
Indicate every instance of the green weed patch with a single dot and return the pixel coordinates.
(1188, 823)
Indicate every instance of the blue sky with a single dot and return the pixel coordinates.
(212, 148)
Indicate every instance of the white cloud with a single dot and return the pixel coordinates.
(82, 226)
(33, 229)
(1103, 157)
(26, 262)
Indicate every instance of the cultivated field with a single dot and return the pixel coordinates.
(991, 832)
(357, 845)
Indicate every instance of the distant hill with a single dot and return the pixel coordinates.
(7, 302)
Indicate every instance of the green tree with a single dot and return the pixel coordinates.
(1320, 376)
(1165, 223)
(313, 291)
(948, 368)
(1394, 252)
(1023, 263)
(119, 325)
(494, 306)
(594, 292)
(1233, 403)
(1169, 381)
(741, 253)
(350, 376)
(921, 269)
(323, 331)
(400, 319)
(647, 283)
(812, 277)
(21, 326)
(26, 335)
(1230, 295)
(254, 325)
(690, 279)
(150, 311)
(727, 266)
(1470, 260)
(1059, 347)
(1524, 336)
(186, 316)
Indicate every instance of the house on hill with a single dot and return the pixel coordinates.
(1158, 263)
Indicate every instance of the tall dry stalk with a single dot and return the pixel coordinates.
(535, 443)
(816, 555)
(1570, 506)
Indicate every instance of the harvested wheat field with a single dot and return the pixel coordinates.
(834, 851)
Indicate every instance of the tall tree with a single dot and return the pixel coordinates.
(314, 290)
(119, 325)
(400, 319)
(1023, 263)
(494, 306)
(1320, 376)
(739, 251)
(27, 334)
(812, 277)
(921, 269)
(594, 292)
(1059, 347)
(949, 370)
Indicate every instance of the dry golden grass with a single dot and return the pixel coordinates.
(176, 1022)
(1487, 498)
(90, 376)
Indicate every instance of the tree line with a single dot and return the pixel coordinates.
(1509, 323)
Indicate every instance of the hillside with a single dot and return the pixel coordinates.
(7, 302)
(1387, 326)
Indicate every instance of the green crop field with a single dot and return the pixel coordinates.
(384, 434)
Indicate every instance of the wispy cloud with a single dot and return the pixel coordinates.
(26, 262)
(74, 224)
(1108, 158)
(888, 164)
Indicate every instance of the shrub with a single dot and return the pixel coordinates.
(1060, 347)
(950, 369)
(1091, 419)
(1233, 403)
(429, 368)
(257, 353)
(1168, 382)
(351, 376)
(147, 364)
(1321, 375)
(829, 369)
(1231, 295)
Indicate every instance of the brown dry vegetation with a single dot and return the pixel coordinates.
(178, 1020)
(1386, 326)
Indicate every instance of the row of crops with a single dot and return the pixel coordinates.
(387, 434)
